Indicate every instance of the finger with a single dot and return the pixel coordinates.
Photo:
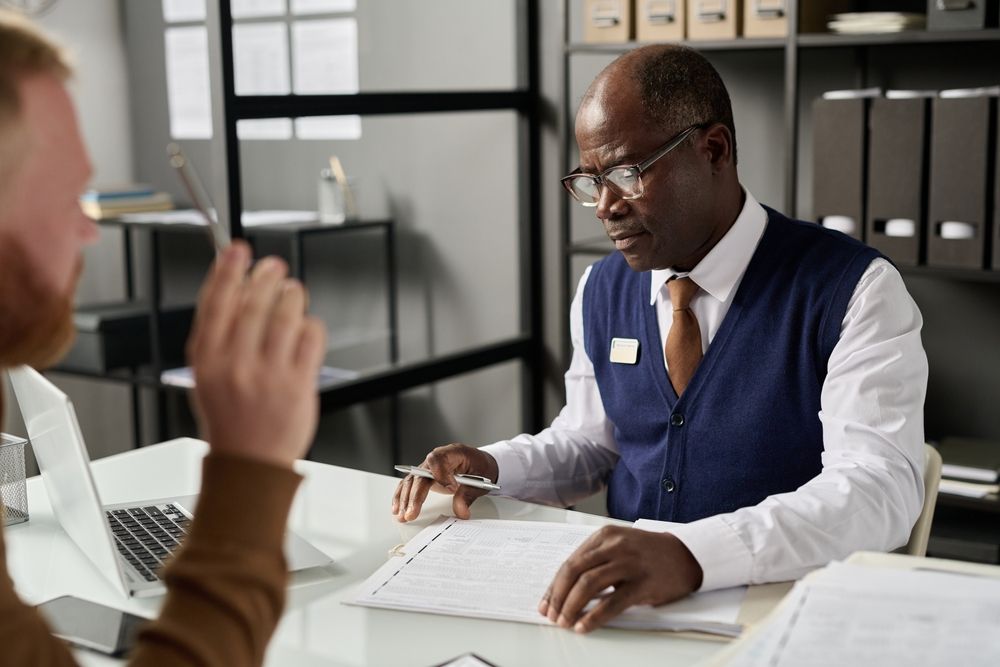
(586, 557)
(418, 494)
(462, 499)
(589, 585)
(402, 494)
(606, 609)
(311, 346)
(259, 294)
(285, 323)
(444, 462)
(543, 605)
(218, 298)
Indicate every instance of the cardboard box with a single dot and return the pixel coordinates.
(897, 164)
(714, 19)
(660, 20)
(962, 150)
(765, 18)
(607, 21)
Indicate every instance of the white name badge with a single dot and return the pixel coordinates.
(624, 350)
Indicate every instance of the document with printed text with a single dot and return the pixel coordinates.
(498, 569)
(849, 614)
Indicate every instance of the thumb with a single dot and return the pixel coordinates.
(461, 501)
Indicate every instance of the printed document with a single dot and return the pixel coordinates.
(849, 614)
(497, 569)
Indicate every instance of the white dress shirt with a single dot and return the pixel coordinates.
(870, 489)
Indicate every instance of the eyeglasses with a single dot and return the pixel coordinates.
(624, 180)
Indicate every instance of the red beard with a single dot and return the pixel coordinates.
(36, 324)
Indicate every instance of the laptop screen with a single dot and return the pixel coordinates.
(65, 466)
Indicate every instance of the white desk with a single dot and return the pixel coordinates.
(346, 514)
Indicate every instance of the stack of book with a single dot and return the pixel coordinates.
(971, 467)
(111, 202)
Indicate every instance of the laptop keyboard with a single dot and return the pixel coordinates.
(146, 536)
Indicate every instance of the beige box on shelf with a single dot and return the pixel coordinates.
(714, 19)
(765, 18)
(659, 20)
(769, 18)
(607, 21)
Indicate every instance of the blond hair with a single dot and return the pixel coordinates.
(24, 51)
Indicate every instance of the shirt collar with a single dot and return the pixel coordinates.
(721, 269)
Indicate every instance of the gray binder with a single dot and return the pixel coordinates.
(839, 147)
(962, 151)
(897, 165)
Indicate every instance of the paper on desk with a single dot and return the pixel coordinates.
(328, 376)
(249, 218)
(969, 489)
(497, 569)
(851, 614)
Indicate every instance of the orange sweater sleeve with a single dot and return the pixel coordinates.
(226, 586)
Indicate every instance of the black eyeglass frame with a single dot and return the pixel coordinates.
(600, 180)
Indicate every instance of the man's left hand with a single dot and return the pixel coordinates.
(642, 568)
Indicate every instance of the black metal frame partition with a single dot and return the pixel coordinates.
(791, 45)
(526, 347)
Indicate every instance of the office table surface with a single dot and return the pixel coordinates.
(346, 514)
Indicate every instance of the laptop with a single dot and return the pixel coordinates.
(127, 542)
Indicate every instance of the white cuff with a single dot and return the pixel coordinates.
(511, 468)
(725, 561)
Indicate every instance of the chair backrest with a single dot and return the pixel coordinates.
(917, 546)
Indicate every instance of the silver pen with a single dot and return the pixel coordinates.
(199, 197)
(475, 481)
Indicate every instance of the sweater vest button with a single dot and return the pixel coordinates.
(677, 419)
(668, 485)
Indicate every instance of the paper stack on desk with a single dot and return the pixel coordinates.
(880, 614)
(971, 467)
(498, 569)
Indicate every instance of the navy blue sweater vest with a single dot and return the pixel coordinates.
(747, 425)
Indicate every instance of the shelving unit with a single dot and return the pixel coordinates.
(791, 49)
(397, 377)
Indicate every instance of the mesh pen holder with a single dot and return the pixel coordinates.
(13, 491)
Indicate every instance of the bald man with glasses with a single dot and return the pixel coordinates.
(757, 380)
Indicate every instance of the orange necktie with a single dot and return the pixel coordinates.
(683, 348)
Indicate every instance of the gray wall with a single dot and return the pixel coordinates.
(458, 245)
(447, 180)
(92, 32)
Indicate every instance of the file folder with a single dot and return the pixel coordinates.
(839, 149)
(897, 165)
(714, 19)
(962, 14)
(660, 20)
(607, 21)
(962, 151)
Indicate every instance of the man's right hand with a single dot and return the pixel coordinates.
(255, 356)
(444, 462)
